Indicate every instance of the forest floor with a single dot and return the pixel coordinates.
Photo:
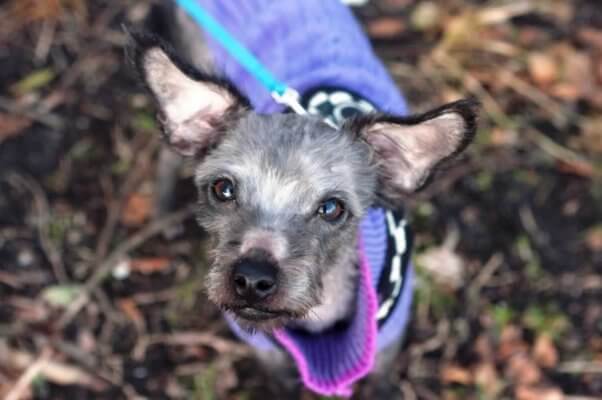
(96, 301)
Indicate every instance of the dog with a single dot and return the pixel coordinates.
(310, 253)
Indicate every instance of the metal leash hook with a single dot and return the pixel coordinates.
(290, 97)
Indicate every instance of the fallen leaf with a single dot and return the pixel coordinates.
(131, 310)
(484, 348)
(54, 371)
(576, 167)
(590, 36)
(591, 137)
(577, 69)
(543, 69)
(35, 80)
(565, 91)
(538, 393)
(486, 376)
(149, 265)
(511, 342)
(523, 370)
(12, 125)
(456, 374)
(503, 137)
(426, 16)
(385, 27)
(60, 295)
(593, 238)
(137, 209)
(444, 265)
(544, 352)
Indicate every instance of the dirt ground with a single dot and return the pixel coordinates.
(100, 300)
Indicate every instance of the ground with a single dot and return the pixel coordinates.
(101, 300)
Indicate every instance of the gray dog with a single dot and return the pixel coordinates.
(310, 248)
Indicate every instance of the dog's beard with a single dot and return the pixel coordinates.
(267, 322)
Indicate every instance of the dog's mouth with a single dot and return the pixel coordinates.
(254, 314)
(259, 314)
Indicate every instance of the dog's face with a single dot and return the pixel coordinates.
(281, 195)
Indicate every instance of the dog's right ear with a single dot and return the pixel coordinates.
(194, 107)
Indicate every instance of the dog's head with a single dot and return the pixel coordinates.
(281, 195)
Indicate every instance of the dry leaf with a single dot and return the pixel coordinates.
(484, 348)
(590, 36)
(576, 167)
(543, 69)
(523, 370)
(444, 265)
(426, 16)
(137, 209)
(149, 265)
(538, 393)
(565, 91)
(12, 125)
(593, 238)
(511, 342)
(386, 27)
(486, 376)
(545, 352)
(456, 374)
(503, 137)
(131, 310)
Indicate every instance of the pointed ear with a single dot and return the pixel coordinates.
(194, 107)
(408, 149)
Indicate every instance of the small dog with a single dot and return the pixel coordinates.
(310, 253)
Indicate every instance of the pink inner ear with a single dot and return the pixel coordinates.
(190, 109)
(408, 153)
(196, 134)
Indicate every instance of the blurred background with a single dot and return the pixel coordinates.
(99, 299)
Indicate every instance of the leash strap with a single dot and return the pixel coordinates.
(282, 93)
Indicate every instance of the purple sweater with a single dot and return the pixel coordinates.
(309, 44)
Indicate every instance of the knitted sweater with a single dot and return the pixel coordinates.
(330, 362)
(318, 48)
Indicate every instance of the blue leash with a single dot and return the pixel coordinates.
(282, 93)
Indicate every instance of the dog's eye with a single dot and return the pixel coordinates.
(223, 190)
(331, 210)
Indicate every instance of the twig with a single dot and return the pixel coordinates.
(217, 343)
(528, 220)
(580, 367)
(484, 276)
(50, 120)
(45, 40)
(42, 222)
(18, 390)
(104, 268)
(486, 273)
(569, 397)
(116, 206)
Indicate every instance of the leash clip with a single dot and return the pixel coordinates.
(289, 97)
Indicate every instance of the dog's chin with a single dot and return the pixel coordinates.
(261, 319)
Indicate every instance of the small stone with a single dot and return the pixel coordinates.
(25, 258)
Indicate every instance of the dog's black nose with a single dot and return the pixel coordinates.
(254, 280)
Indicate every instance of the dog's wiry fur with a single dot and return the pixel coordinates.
(283, 166)
(283, 175)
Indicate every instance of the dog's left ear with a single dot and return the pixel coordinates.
(195, 107)
(408, 149)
